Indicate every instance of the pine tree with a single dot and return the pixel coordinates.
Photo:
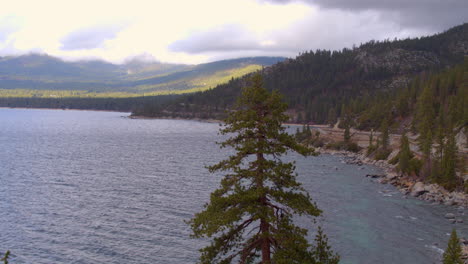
(347, 134)
(439, 153)
(322, 251)
(425, 115)
(371, 148)
(298, 134)
(6, 257)
(331, 116)
(385, 136)
(426, 149)
(404, 155)
(308, 131)
(300, 119)
(453, 253)
(250, 216)
(449, 162)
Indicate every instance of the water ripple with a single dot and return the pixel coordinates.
(93, 187)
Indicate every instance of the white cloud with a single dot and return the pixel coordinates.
(179, 30)
(90, 38)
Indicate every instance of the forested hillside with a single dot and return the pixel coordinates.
(49, 77)
(103, 103)
(434, 109)
(319, 85)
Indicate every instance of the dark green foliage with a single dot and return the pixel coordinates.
(415, 166)
(138, 105)
(353, 147)
(382, 147)
(404, 156)
(381, 150)
(436, 173)
(249, 217)
(322, 251)
(384, 139)
(394, 160)
(341, 145)
(326, 86)
(308, 138)
(318, 83)
(371, 148)
(6, 257)
(449, 163)
(425, 115)
(453, 253)
(347, 135)
(382, 154)
(332, 116)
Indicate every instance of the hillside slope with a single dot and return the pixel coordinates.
(318, 84)
(45, 76)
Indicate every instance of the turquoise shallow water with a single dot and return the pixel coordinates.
(96, 187)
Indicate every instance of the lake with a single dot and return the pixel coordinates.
(98, 187)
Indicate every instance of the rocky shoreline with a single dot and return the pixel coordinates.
(429, 192)
(432, 193)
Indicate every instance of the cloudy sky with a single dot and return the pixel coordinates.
(188, 31)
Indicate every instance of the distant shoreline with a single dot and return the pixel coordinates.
(66, 109)
(130, 116)
(207, 120)
(176, 118)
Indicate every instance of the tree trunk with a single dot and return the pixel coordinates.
(264, 227)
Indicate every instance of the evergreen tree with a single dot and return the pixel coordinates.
(300, 119)
(331, 116)
(439, 153)
(404, 155)
(6, 257)
(449, 163)
(426, 149)
(250, 216)
(347, 134)
(308, 131)
(384, 137)
(425, 115)
(453, 253)
(322, 251)
(439, 138)
(298, 134)
(371, 148)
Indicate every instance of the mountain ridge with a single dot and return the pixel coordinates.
(43, 72)
(316, 81)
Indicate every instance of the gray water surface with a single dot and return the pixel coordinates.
(97, 187)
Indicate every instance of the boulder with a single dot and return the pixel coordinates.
(461, 209)
(373, 176)
(383, 181)
(461, 139)
(391, 175)
(450, 216)
(450, 202)
(393, 154)
(459, 198)
(432, 188)
(418, 189)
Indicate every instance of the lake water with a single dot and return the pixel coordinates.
(97, 187)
